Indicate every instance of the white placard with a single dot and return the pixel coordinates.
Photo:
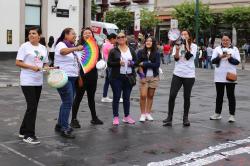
(137, 14)
(174, 24)
(137, 24)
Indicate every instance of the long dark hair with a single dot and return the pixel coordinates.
(51, 41)
(62, 36)
(190, 40)
(153, 49)
(81, 40)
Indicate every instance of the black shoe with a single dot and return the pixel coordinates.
(75, 124)
(67, 134)
(96, 121)
(70, 129)
(186, 122)
(58, 128)
(167, 122)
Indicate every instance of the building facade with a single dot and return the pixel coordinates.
(164, 9)
(52, 16)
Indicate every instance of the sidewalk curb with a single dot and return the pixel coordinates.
(9, 85)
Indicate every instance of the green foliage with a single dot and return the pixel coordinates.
(148, 19)
(121, 17)
(237, 16)
(185, 13)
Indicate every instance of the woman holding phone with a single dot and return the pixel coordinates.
(226, 57)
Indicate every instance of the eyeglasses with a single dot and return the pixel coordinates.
(120, 37)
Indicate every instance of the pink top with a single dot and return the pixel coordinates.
(107, 46)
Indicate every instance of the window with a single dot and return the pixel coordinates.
(32, 15)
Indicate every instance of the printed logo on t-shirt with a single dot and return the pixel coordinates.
(38, 58)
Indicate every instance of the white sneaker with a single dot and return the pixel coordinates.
(142, 118)
(121, 100)
(231, 119)
(106, 100)
(215, 117)
(31, 140)
(149, 117)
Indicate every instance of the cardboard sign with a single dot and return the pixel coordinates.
(96, 30)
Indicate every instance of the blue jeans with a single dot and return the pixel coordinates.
(209, 62)
(121, 85)
(167, 58)
(106, 85)
(67, 94)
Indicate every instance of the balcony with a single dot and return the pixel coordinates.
(140, 1)
(120, 2)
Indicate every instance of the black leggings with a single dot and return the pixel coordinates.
(176, 84)
(89, 85)
(220, 88)
(32, 96)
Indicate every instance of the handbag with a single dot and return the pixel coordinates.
(131, 79)
(57, 78)
(231, 77)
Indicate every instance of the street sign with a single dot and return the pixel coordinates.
(174, 24)
(137, 24)
(62, 13)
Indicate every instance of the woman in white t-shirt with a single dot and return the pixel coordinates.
(31, 58)
(226, 57)
(67, 60)
(184, 75)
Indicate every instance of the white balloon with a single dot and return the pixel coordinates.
(101, 64)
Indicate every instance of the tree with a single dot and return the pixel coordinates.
(185, 14)
(239, 17)
(149, 19)
(121, 17)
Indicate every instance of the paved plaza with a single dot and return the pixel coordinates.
(205, 142)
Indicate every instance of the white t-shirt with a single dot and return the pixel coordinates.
(150, 72)
(126, 57)
(220, 72)
(209, 51)
(68, 62)
(35, 56)
(183, 67)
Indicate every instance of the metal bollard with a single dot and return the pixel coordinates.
(243, 60)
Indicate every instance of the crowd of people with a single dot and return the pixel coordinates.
(124, 64)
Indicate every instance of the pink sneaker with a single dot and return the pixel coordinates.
(128, 120)
(116, 121)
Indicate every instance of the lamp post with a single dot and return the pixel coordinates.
(197, 32)
(54, 8)
(197, 22)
